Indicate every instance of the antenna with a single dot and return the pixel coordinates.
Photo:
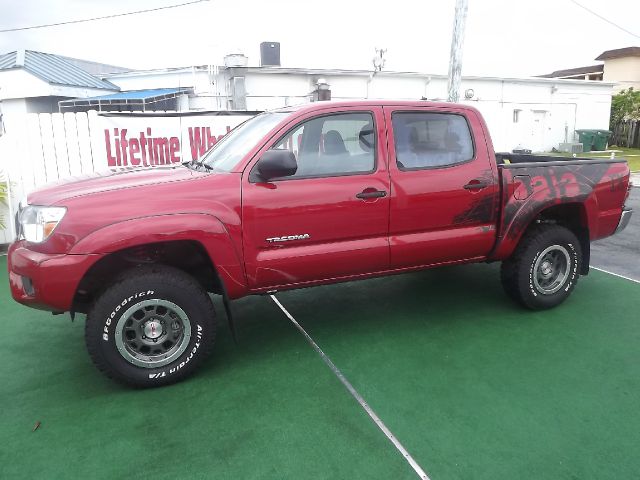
(379, 60)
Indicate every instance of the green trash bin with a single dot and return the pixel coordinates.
(587, 138)
(601, 139)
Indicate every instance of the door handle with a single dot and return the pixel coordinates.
(367, 193)
(475, 185)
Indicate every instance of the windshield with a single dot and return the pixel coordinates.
(226, 154)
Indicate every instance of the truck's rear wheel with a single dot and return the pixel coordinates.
(544, 269)
(152, 326)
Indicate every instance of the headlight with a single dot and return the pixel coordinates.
(38, 223)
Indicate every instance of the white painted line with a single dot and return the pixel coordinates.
(615, 274)
(421, 473)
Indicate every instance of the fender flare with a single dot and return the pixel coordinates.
(530, 209)
(203, 228)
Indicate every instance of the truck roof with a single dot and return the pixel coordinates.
(304, 107)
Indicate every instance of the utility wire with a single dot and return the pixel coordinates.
(605, 19)
(101, 18)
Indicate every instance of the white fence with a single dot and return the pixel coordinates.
(42, 148)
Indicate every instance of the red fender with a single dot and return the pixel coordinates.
(202, 228)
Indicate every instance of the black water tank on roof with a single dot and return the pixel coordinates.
(270, 54)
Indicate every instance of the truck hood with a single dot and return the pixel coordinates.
(109, 180)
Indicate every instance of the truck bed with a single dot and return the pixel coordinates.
(589, 190)
(505, 158)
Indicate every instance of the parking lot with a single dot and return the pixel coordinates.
(621, 253)
(472, 386)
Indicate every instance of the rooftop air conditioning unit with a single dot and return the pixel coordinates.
(235, 60)
(571, 147)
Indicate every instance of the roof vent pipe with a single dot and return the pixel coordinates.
(20, 54)
(322, 92)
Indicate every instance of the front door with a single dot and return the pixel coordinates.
(330, 219)
(538, 130)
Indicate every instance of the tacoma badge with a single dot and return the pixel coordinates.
(288, 238)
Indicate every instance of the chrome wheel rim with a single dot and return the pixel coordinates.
(152, 333)
(551, 269)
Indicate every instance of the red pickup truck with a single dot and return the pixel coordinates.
(301, 196)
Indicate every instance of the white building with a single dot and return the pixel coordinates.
(34, 82)
(534, 113)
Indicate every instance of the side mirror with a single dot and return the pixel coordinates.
(274, 164)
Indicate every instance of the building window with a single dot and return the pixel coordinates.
(516, 115)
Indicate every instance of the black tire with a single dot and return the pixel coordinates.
(524, 274)
(151, 304)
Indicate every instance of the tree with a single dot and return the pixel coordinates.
(625, 107)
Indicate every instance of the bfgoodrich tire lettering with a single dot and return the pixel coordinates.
(543, 270)
(168, 331)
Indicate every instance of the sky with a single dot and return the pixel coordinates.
(516, 38)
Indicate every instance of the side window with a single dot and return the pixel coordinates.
(431, 140)
(332, 145)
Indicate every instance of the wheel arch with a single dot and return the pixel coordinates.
(197, 244)
(572, 215)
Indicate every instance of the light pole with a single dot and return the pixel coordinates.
(455, 61)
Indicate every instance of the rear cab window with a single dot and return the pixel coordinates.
(425, 140)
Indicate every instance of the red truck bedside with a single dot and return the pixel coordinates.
(308, 195)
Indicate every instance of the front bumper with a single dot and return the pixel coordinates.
(624, 219)
(45, 281)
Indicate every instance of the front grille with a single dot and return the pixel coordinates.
(27, 286)
(17, 223)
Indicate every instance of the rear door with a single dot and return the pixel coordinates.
(444, 184)
(331, 218)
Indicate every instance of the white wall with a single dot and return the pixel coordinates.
(12, 110)
(563, 107)
(550, 109)
(48, 104)
(178, 78)
(209, 89)
(42, 148)
(17, 83)
(21, 93)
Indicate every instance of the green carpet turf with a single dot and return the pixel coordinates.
(476, 387)
(268, 408)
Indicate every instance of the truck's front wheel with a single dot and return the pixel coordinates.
(153, 326)
(544, 268)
